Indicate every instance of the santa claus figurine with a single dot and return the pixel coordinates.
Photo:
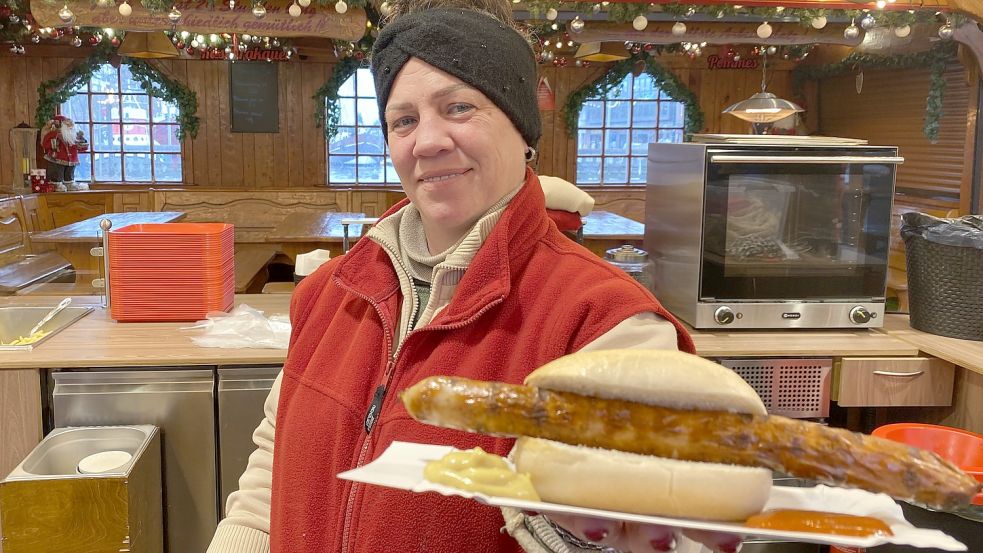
(61, 144)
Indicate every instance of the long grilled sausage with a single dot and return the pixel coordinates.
(799, 448)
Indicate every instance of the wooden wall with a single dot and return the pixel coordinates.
(890, 110)
(295, 157)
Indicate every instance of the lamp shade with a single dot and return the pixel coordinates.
(147, 46)
(601, 52)
(763, 107)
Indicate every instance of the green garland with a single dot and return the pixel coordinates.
(158, 85)
(664, 79)
(55, 92)
(935, 59)
(327, 95)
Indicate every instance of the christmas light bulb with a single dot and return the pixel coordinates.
(881, 4)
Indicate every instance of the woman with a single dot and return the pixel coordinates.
(467, 277)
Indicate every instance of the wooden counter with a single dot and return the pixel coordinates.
(965, 353)
(98, 341)
(799, 343)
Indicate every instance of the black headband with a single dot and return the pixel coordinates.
(474, 47)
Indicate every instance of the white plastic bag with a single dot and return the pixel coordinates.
(243, 327)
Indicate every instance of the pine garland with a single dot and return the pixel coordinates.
(327, 95)
(55, 92)
(664, 79)
(935, 59)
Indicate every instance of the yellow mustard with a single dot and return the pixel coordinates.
(476, 471)
(25, 340)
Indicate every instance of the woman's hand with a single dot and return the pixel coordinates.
(642, 538)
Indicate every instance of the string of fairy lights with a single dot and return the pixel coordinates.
(554, 29)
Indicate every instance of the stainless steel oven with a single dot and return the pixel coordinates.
(770, 236)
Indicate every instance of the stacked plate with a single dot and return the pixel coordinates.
(171, 271)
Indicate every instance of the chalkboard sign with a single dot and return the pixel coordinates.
(253, 93)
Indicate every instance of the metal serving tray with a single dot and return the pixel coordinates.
(18, 321)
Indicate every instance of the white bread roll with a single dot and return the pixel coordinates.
(667, 378)
(643, 484)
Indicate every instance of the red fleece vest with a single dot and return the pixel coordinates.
(529, 296)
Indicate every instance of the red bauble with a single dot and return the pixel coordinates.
(180, 45)
(359, 55)
(5, 11)
(190, 50)
(649, 47)
(115, 41)
(93, 40)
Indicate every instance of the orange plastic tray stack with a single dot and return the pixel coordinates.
(171, 271)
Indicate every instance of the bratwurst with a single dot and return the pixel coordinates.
(798, 448)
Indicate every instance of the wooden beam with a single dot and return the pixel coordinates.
(714, 32)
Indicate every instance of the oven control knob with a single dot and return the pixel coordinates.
(724, 315)
(860, 315)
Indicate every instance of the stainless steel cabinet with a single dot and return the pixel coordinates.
(242, 392)
(182, 404)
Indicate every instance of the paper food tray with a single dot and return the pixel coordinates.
(401, 466)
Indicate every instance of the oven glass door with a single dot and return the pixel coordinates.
(788, 225)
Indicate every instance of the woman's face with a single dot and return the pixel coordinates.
(455, 152)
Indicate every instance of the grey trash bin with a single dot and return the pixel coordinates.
(48, 506)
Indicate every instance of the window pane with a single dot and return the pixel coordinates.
(670, 114)
(644, 114)
(645, 87)
(589, 142)
(136, 138)
(137, 167)
(391, 176)
(589, 170)
(165, 138)
(164, 112)
(108, 167)
(105, 138)
(167, 167)
(83, 171)
(365, 87)
(638, 165)
(618, 114)
(347, 111)
(76, 108)
(126, 78)
(370, 168)
(640, 141)
(592, 115)
(622, 91)
(342, 169)
(670, 136)
(615, 170)
(348, 88)
(616, 142)
(136, 109)
(368, 113)
(105, 108)
(104, 79)
(343, 142)
(370, 141)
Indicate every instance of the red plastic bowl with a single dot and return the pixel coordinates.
(961, 447)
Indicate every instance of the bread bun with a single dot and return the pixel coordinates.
(666, 378)
(643, 484)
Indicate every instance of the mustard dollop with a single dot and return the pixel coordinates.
(474, 470)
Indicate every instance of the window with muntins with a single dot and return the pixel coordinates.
(614, 131)
(132, 136)
(357, 154)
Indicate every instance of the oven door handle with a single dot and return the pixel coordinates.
(824, 160)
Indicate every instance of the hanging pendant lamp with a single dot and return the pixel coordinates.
(153, 45)
(763, 107)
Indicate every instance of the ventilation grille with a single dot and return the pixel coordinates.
(790, 387)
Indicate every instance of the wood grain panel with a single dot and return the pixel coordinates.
(70, 207)
(883, 382)
(20, 425)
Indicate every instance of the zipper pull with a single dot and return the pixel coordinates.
(373, 414)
